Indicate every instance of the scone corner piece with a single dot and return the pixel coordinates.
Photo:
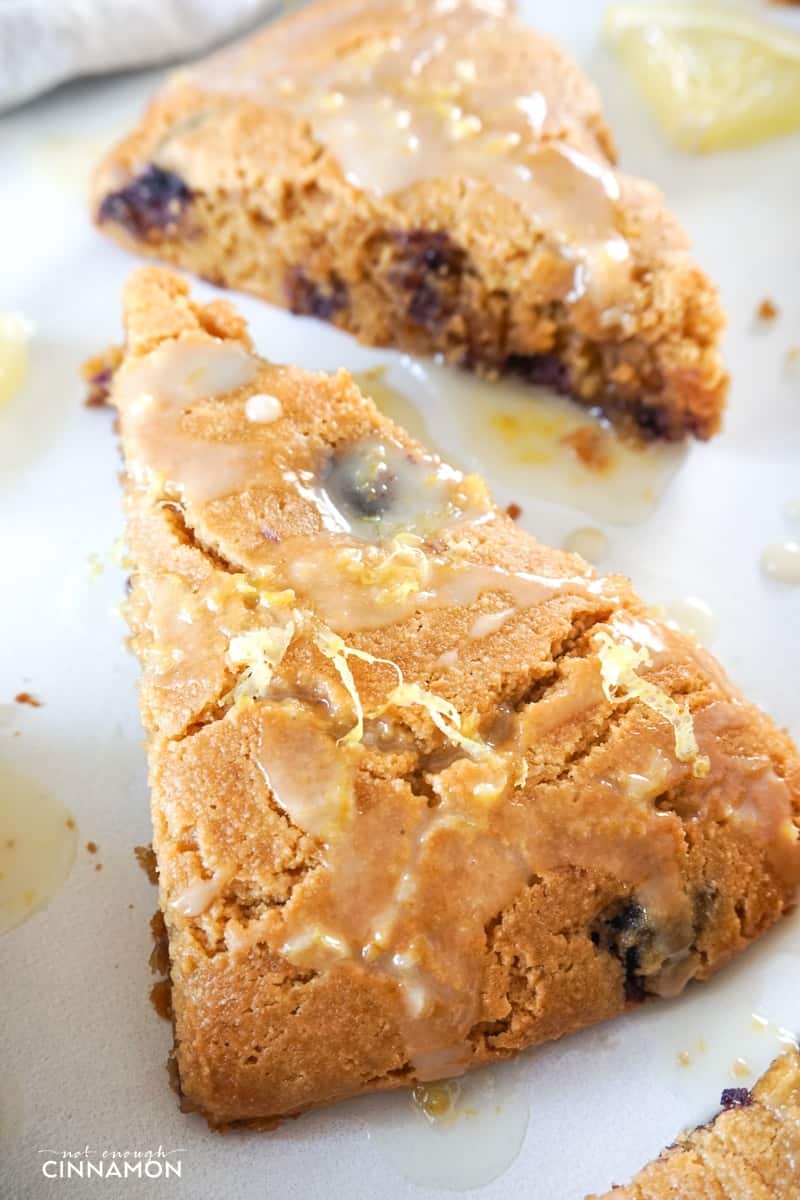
(751, 1148)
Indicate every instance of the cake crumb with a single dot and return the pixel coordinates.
(767, 310)
(91, 847)
(590, 447)
(684, 1058)
(98, 866)
(792, 356)
(161, 999)
(159, 955)
(28, 698)
(70, 824)
(514, 511)
(741, 1068)
(146, 859)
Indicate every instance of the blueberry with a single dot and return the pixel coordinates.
(361, 483)
(735, 1097)
(305, 297)
(544, 370)
(428, 265)
(623, 931)
(153, 201)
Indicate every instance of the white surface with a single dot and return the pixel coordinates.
(82, 1053)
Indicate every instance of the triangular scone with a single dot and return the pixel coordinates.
(751, 1151)
(424, 790)
(431, 176)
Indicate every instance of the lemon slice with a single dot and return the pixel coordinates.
(15, 332)
(715, 78)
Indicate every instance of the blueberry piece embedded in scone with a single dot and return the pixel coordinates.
(150, 206)
(361, 483)
(305, 297)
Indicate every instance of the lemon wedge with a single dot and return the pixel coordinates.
(15, 333)
(715, 78)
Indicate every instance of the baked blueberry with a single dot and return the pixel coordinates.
(152, 202)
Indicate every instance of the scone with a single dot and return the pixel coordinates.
(751, 1151)
(424, 791)
(436, 177)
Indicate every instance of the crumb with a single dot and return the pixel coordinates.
(98, 866)
(793, 355)
(130, 906)
(146, 859)
(173, 1075)
(10, 843)
(159, 955)
(161, 999)
(91, 847)
(589, 446)
(70, 824)
(767, 310)
(741, 1068)
(738, 1097)
(514, 511)
(28, 698)
(684, 1058)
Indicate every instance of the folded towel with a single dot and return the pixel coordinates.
(44, 42)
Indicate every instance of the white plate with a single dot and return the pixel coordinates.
(82, 1052)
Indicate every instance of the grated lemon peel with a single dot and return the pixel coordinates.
(259, 652)
(338, 651)
(396, 575)
(619, 663)
(444, 715)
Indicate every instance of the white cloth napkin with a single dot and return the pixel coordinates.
(44, 42)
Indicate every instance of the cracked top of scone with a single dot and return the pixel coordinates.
(378, 710)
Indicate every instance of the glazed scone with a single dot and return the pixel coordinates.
(751, 1151)
(434, 177)
(424, 791)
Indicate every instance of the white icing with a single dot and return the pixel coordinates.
(262, 409)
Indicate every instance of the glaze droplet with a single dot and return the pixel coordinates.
(691, 616)
(781, 561)
(37, 847)
(590, 543)
(262, 409)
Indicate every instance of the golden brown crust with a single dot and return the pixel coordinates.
(750, 1151)
(605, 868)
(248, 196)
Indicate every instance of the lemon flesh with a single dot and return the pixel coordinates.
(15, 332)
(714, 78)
